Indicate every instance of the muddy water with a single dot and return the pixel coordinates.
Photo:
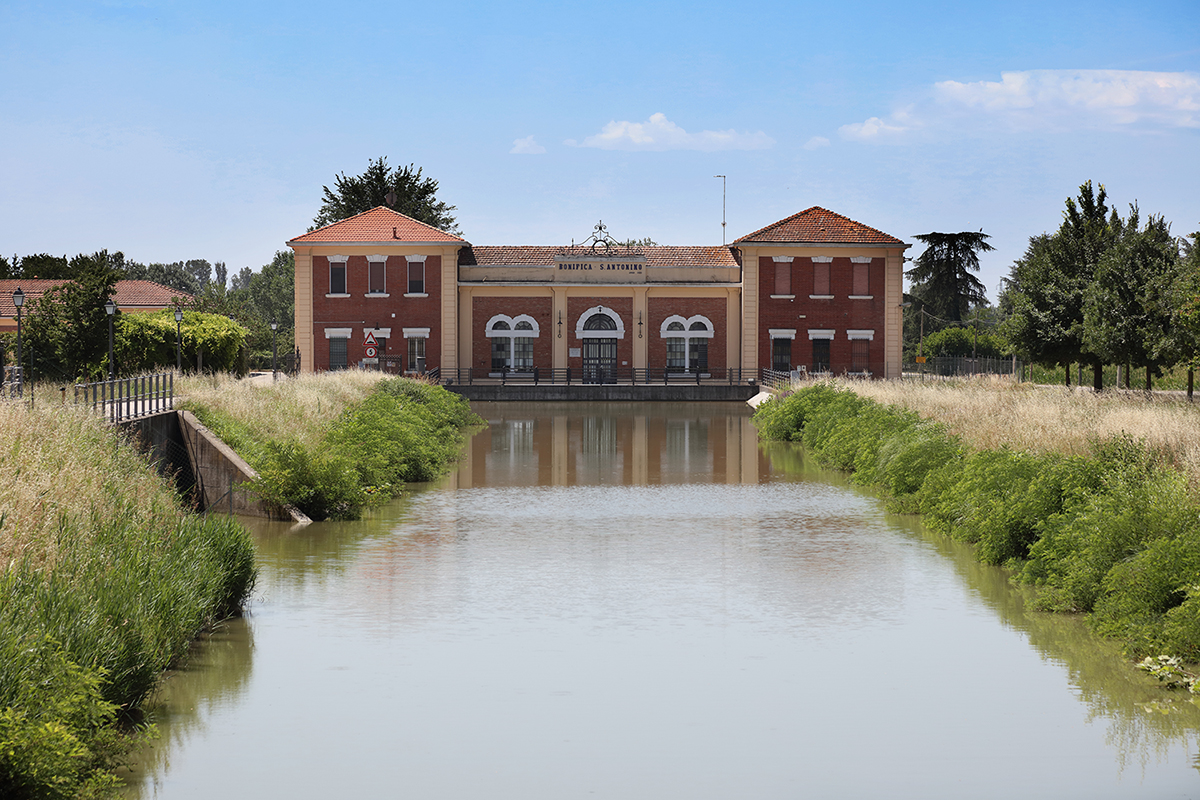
(637, 601)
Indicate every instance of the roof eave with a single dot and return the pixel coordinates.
(384, 243)
(761, 243)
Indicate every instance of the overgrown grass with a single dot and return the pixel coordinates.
(334, 443)
(1113, 531)
(988, 414)
(104, 581)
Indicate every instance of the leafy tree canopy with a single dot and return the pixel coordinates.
(412, 195)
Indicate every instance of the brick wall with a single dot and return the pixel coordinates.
(839, 314)
(360, 311)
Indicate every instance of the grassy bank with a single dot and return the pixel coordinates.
(1098, 521)
(105, 581)
(334, 443)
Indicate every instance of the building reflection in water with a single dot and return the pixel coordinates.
(629, 444)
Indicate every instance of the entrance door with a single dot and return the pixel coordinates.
(599, 360)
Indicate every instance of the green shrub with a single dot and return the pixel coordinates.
(908, 456)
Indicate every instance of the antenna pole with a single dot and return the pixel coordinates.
(722, 177)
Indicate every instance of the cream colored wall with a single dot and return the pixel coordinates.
(304, 307)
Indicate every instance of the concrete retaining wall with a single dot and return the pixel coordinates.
(195, 457)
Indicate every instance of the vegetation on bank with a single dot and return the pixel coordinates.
(104, 582)
(1113, 531)
(334, 443)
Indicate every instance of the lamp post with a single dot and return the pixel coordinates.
(18, 299)
(178, 341)
(274, 341)
(110, 308)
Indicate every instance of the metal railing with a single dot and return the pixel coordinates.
(594, 375)
(129, 398)
(11, 387)
(957, 367)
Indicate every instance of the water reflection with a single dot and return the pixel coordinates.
(639, 601)
(628, 444)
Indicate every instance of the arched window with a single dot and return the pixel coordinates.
(687, 342)
(512, 341)
(599, 323)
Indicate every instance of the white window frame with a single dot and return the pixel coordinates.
(377, 259)
(414, 333)
(512, 334)
(687, 334)
(424, 277)
(345, 275)
(580, 333)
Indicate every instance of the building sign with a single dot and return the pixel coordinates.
(580, 268)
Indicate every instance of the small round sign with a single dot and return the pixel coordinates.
(370, 352)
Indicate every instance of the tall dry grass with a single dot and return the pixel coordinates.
(300, 408)
(988, 413)
(63, 469)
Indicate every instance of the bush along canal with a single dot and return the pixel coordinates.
(105, 582)
(337, 443)
(1114, 535)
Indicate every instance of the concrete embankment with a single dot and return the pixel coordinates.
(199, 461)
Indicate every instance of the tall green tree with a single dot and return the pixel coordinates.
(943, 280)
(412, 195)
(67, 327)
(1127, 314)
(1044, 292)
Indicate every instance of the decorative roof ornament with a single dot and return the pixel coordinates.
(600, 243)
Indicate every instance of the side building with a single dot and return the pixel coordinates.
(816, 291)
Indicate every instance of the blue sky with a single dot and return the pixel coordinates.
(175, 130)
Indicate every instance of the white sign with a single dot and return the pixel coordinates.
(574, 352)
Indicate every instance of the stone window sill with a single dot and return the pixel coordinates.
(783, 297)
(862, 297)
(377, 294)
(820, 297)
(337, 295)
(415, 294)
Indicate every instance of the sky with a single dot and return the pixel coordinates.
(178, 130)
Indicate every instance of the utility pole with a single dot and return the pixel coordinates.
(722, 177)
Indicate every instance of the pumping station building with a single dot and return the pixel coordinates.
(815, 292)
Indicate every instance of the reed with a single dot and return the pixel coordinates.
(104, 581)
(988, 413)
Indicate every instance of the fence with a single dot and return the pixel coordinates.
(956, 367)
(129, 398)
(12, 385)
(535, 376)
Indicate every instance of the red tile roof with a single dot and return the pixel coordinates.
(819, 225)
(380, 225)
(543, 256)
(127, 294)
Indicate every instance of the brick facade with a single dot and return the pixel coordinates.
(483, 308)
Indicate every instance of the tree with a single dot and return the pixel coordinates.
(174, 275)
(413, 196)
(1127, 305)
(943, 282)
(1044, 292)
(42, 265)
(67, 328)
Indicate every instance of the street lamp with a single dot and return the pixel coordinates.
(274, 340)
(18, 298)
(178, 341)
(110, 308)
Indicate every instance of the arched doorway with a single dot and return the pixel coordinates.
(599, 351)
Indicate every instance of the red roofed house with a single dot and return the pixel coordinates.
(815, 291)
(130, 296)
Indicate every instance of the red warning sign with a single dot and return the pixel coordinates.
(370, 340)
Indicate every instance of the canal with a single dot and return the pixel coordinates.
(640, 601)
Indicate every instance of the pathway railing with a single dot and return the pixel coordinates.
(129, 398)
(12, 384)
(594, 375)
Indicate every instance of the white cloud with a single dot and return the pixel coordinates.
(1082, 97)
(527, 146)
(815, 142)
(659, 133)
(874, 129)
